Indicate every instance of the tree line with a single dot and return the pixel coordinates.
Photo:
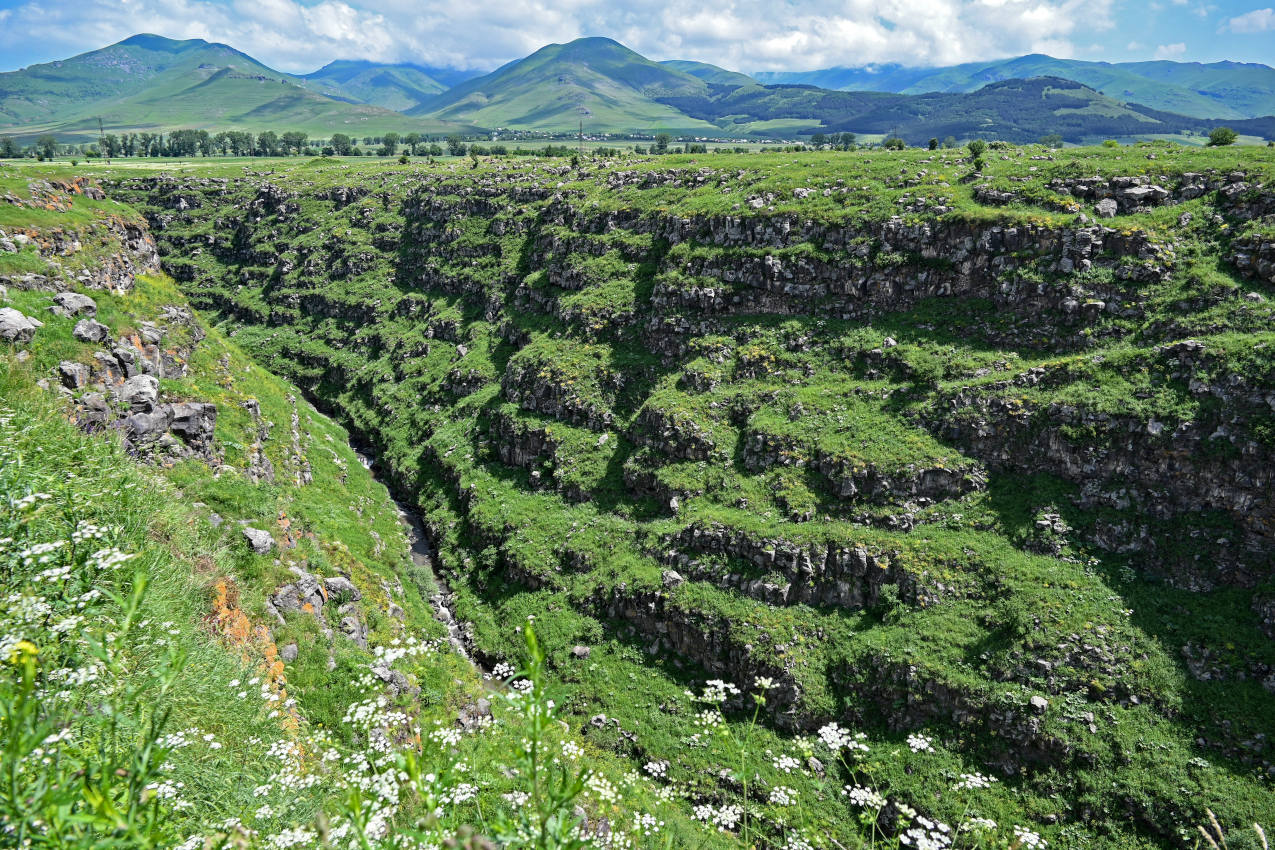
(194, 143)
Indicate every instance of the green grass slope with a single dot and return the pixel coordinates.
(709, 73)
(151, 83)
(394, 87)
(595, 80)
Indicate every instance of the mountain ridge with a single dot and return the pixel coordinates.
(1189, 92)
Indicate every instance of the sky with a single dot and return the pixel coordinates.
(298, 36)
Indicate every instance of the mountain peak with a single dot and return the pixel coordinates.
(151, 41)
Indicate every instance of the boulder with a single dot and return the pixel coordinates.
(261, 543)
(340, 587)
(147, 426)
(139, 393)
(289, 653)
(580, 652)
(70, 304)
(17, 328)
(73, 375)
(302, 596)
(1107, 208)
(91, 330)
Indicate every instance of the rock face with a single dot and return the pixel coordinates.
(194, 423)
(638, 363)
(16, 327)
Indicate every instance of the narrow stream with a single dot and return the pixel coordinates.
(423, 556)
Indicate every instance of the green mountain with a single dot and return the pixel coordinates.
(1216, 90)
(148, 82)
(1013, 110)
(595, 80)
(709, 73)
(395, 87)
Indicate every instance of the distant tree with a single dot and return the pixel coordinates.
(455, 146)
(894, 143)
(342, 144)
(1053, 140)
(434, 149)
(1110, 143)
(818, 140)
(47, 146)
(949, 143)
(294, 141)
(412, 140)
(934, 144)
(186, 143)
(1220, 137)
(242, 143)
(268, 144)
(976, 148)
(9, 148)
(661, 143)
(390, 142)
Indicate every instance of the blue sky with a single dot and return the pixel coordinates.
(748, 35)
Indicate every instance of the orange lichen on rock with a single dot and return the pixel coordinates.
(254, 645)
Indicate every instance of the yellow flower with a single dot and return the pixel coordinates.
(23, 648)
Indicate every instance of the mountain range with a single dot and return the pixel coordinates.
(149, 83)
(1214, 90)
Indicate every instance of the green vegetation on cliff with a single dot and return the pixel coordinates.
(982, 458)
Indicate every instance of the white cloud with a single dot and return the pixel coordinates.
(1170, 51)
(1258, 20)
(300, 35)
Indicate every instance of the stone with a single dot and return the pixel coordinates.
(672, 578)
(17, 328)
(289, 653)
(139, 393)
(1107, 208)
(1039, 704)
(581, 652)
(91, 330)
(193, 422)
(341, 588)
(74, 376)
(147, 426)
(260, 541)
(70, 304)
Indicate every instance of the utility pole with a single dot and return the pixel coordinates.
(580, 139)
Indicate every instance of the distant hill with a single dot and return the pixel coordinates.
(151, 83)
(398, 87)
(709, 73)
(1013, 110)
(1216, 90)
(595, 80)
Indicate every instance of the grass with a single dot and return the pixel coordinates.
(566, 341)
